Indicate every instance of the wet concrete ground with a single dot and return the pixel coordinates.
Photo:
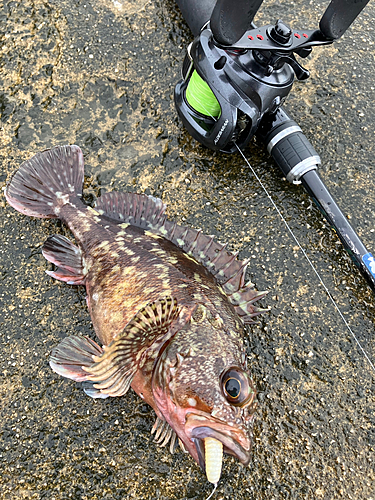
(101, 75)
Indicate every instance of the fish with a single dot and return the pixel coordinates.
(169, 306)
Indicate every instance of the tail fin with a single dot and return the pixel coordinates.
(45, 182)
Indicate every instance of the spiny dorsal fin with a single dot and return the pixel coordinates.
(148, 212)
(114, 369)
(243, 302)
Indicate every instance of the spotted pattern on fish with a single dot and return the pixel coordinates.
(107, 271)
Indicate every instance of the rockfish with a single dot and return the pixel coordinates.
(168, 305)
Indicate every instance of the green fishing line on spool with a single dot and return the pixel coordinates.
(201, 98)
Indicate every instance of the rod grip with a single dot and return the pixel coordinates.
(196, 13)
(293, 152)
(295, 155)
(231, 18)
(340, 14)
(288, 145)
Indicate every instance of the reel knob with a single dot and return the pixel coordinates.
(281, 33)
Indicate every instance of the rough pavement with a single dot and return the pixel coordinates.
(101, 75)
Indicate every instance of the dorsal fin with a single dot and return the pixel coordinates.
(148, 213)
(137, 209)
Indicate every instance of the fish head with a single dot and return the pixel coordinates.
(203, 390)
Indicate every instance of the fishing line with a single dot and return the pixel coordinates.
(308, 259)
(201, 98)
(209, 105)
(212, 492)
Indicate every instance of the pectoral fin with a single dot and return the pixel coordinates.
(113, 371)
(110, 371)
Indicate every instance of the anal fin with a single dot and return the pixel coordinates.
(68, 257)
(67, 277)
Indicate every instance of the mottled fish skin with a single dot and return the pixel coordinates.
(171, 323)
(128, 268)
(207, 350)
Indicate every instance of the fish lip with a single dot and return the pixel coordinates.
(230, 445)
(199, 446)
(199, 427)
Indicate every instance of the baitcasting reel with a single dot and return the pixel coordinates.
(235, 78)
(234, 74)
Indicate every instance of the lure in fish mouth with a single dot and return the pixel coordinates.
(200, 428)
(209, 402)
(168, 305)
(211, 439)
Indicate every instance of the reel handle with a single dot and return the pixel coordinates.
(230, 19)
(196, 13)
(340, 14)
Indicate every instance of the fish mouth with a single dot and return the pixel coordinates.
(234, 441)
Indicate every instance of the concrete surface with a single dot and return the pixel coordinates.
(101, 75)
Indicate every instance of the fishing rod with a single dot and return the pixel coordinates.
(235, 79)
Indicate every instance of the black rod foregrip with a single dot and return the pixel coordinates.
(196, 13)
(231, 18)
(340, 14)
(288, 145)
(361, 257)
(298, 161)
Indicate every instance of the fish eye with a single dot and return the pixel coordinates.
(237, 386)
